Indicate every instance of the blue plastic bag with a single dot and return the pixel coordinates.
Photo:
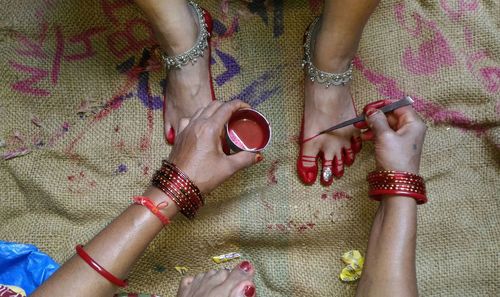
(23, 266)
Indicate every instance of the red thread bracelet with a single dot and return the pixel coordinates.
(155, 209)
(94, 265)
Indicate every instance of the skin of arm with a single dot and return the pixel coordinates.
(389, 268)
(116, 248)
(390, 259)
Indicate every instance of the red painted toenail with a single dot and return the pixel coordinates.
(245, 266)
(371, 111)
(171, 136)
(249, 291)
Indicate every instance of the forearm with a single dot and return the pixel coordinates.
(116, 248)
(389, 268)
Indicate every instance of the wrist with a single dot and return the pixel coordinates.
(157, 196)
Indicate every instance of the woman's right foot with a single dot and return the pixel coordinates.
(327, 102)
(188, 87)
(220, 283)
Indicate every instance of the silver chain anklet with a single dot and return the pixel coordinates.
(316, 75)
(199, 47)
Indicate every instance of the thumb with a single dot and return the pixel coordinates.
(377, 121)
(244, 159)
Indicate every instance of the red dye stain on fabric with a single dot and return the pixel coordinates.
(271, 173)
(335, 196)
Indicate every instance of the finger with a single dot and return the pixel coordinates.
(372, 105)
(211, 108)
(367, 135)
(376, 105)
(170, 135)
(183, 124)
(377, 121)
(244, 159)
(222, 115)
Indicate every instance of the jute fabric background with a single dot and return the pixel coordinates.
(81, 91)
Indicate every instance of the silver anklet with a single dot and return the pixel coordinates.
(316, 75)
(199, 47)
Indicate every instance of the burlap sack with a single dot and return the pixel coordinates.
(75, 77)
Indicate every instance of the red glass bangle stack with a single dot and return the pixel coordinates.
(178, 187)
(400, 183)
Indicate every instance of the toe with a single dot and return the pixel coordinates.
(348, 156)
(307, 167)
(356, 144)
(217, 278)
(327, 169)
(239, 282)
(338, 166)
(244, 289)
(185, 286)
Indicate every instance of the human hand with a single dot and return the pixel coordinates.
(398, 136)
(198, 148)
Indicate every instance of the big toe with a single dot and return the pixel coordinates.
(242, 273)
(307, 167)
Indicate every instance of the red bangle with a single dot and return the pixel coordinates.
(386, 182)
(111, 278)
(155, 209)
(377, 195)
(178, 187)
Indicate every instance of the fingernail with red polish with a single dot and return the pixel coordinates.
(245, 266)
(259, 157)
(171, 136)
(371, 111)
(249, 291)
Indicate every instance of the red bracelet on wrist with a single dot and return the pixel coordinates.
(178, 187)
(155, 209)
(111, 278)
(386, 182)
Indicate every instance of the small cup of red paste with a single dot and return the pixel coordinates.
(247, 130)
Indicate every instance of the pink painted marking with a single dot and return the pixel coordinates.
(469, 37)
(122, 43)
(387, 87)
(56, 62)
(84, 37)
(26, 85)
(491, 78)
(432, 54)
(463, 8)
(110, 7)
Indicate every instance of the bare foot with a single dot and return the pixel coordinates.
(220, 283)
(188, 88)
(323, 108)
